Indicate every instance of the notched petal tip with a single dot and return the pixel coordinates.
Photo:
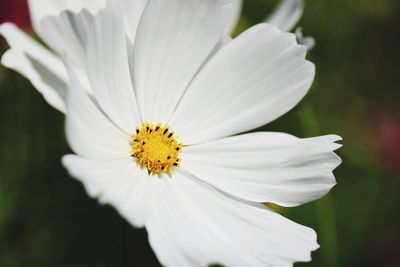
(335, 139)
(301, 48)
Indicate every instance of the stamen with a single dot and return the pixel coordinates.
(154, 149)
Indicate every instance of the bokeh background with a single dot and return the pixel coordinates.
(46, 218)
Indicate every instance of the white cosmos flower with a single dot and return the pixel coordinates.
(53, 21)
(155, 134)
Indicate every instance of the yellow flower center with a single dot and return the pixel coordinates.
(156, 148)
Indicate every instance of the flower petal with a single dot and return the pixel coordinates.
(108, 69)
(119, 183)
(45, 71)
(193, 224)
(89, 132)
(133, 11)
(267, 167)
(287, 14)
(251, 81)
(173, 41)
(66, 34)
(40, 9)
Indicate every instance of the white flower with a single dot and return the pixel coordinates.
(154, 134)
(53, 21)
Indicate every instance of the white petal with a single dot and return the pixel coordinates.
(287, 14)
(174, 39)
(192, 224)
(108, 70)
(66, 34)
(267, 167)
(45, 71)
(89, 132)
(133, 11)
(40, 9)
(251, 81)
(119, 183)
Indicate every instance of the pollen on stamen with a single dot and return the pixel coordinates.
(156, 148)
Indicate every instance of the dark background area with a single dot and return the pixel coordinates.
(46, 218)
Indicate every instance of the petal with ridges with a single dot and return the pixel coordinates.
(120, 183)
(193, 224)
(89, 132)
(40, 9)
(44, 70)
(173, 41)
(251, 81)
(66, 34)
(108, 69)
(267, 167)
(133, 11)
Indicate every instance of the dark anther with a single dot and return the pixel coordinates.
(136, 140)
(169, 136)
(147, 128)
(176, 164)
(137, 131)
(162, 168)
(177, 149)
(165, 131)
(157, 128)
(169, 157)
(143, 143)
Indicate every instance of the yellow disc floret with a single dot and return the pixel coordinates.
(156, 148)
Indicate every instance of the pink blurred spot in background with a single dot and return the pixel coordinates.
(15, 11)
(384, 137)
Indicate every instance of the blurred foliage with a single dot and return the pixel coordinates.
(46, 218)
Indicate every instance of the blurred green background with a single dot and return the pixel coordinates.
(46, 218)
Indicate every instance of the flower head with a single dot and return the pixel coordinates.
(155, 132)
(156, 93)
